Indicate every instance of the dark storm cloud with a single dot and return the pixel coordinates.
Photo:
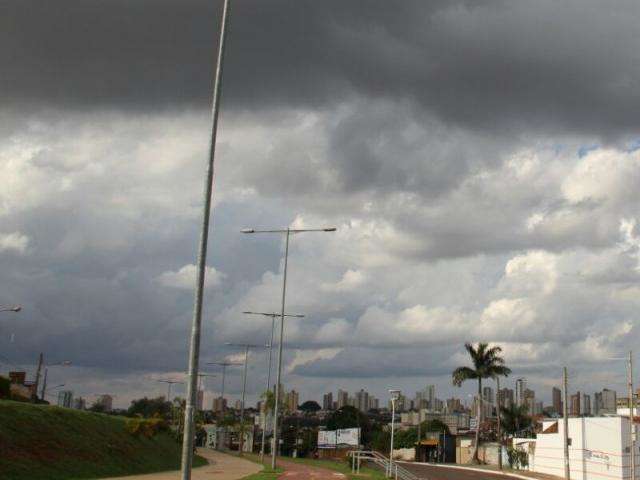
(547, 65)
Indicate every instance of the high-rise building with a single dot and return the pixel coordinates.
(106, 401)
(609, 401)
(430, 396)
(575, 405)
(362, 400)
(585, 405)
(556, 400)
(327, 401)
(219, 404)
(454, 405)
(374, 403)
(65, 398)
(538, 407)
(343, 398)
(505, 397)
(292, 400)
(529, 400)
(200, 400)
(487, 402)
(521, 386)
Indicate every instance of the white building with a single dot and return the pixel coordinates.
(599, 448)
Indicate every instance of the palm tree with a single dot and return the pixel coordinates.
(487, 363)
(515, 418)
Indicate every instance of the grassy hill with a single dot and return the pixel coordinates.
(39, 442)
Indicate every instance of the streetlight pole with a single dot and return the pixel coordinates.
(66, 363)
(246, 347)
(288, 232)
(273, 322)
(394, 396)
(224, 366)
(194, 349)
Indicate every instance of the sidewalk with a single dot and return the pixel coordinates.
(221, 467)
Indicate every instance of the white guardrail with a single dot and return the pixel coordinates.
(391, 468)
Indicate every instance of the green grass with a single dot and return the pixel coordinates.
(41, 442)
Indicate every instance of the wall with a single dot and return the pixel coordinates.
(406, 454)
(597, 450)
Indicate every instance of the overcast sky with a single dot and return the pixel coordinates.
(480, 160)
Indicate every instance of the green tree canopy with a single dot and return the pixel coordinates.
(310, 407)
(149, 407)
(514, 418)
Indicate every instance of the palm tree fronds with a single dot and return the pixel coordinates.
(461, 374)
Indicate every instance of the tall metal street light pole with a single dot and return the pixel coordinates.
(169, 383)
(273, 323)
(287, 232)
(246, 347)
(224, 366)
(66, 363)
(395, 394)
(194, 348)
(12, 308)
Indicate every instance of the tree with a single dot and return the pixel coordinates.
(487, 363)
(514, 418)
(310, 406)
(435, 425)
(350, 417)
(149, 407)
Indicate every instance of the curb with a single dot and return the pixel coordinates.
(472, 469)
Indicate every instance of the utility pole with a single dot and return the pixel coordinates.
(499, 431)
(44, 382)
(40, 362)
(632, 446)
(565, 419)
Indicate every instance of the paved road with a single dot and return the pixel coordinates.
(221, 467)
(298, 471)
(444, 473)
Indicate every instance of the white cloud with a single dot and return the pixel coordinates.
(13, 242)
(185, 278)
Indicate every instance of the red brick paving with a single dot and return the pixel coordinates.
(299, 471)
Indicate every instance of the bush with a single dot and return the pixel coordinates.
(518, 459)
(146, 427)
(5, 387)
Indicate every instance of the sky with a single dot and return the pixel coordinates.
(480, 161)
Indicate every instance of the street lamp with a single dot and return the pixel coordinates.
(66, 363)
(12, 308)
(186, 461)
(170, 383)
(224, 366)
(246, 347)
(287, 232)
(273, 322)
(395, 394)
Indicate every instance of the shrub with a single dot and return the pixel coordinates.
(146, 427)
